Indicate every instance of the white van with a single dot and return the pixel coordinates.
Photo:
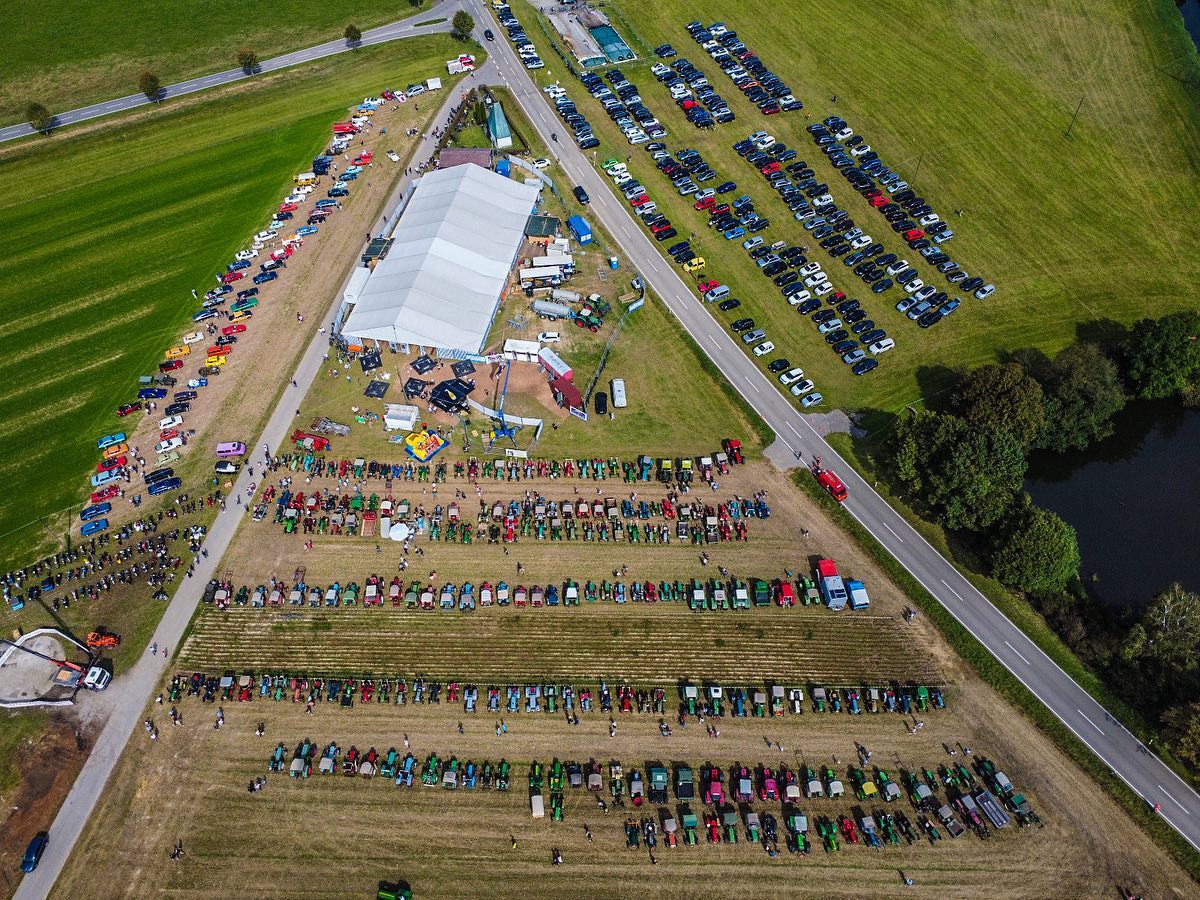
(618, 393)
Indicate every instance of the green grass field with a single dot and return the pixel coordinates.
(105, 240)
(1075, 233)
(73, 54)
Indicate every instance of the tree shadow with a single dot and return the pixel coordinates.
(1106, 332)
(937, 383)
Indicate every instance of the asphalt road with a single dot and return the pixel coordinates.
(125, 701)
(384, 33)
(1087, 719)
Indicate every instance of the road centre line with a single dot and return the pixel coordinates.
(1018, 652)
(1089, 721)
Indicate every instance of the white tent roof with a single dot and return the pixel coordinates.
(440, 283)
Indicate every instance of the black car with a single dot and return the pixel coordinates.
(863, 366)
(731, 303)
(677, 248)
(808, 306)
(779, 365)
(487, 33)
(863, 326)
(880, 286)
(847, 305)
(971, 284)
(855, 315)
(742, 325)
(930, 318)
(774, 268)
(666, 234)
(787, 278)
(601, 403)
(843, 347)
(581, 195)
(870, 337)
(824, 315)
(837, 336)
(182, 396)
(177, 409)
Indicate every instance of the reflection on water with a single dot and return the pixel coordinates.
(1134, 500)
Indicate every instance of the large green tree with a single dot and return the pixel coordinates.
(966, 474)
(1163, 355)
(1167, 639)
(1002, 396)
(462, 24)
(1036, 551)
(149, 84)
(1082, 393)
(39, 117)
(248, 60)
(353, 35)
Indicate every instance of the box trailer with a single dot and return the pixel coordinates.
(561, 259)
(859, 598)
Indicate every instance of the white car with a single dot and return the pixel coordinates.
(265, 236)
(897, 267)
(246, 254)
(928, 220)
(393, 156)
(549, 337)
(810, 268)
(813, 280)
(801, 388)
(170, 422)
(822, 289)
(764, 348)
(791, 376)
(167, 446)
(915, 285)
(553, 89)
(882, 346)
(811, 400)
(799, 297)
(924, 293)
(861, 241)
(541, 163)
(413, 89)
(831, 325)
(860, 150)
(194, 338)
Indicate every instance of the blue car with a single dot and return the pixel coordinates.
(151, 393)
(109, 440)
(93, 512)
(204, 314)
(33, 853)
(348, 176)
(102, 478)
(94, 527)
(263, 277)
(238, 264)
(734, 233)
(726, 187)
(306, 230)
(162, 486)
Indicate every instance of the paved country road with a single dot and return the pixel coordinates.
(443, 10)
(125, 701)
(1148, 776)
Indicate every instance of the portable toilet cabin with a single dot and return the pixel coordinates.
(858, 595)
(580, 228)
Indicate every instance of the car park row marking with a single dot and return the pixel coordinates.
(1089, 721)
(1018, 652)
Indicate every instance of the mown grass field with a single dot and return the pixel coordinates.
(1077, 234)
(67, 55)
(105, 239)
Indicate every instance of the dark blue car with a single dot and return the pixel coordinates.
(33, 853)
(726, 187)
(263, 277)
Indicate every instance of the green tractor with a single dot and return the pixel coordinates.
(535, 777)
(729, 824)
(556, 806)
(888, 825)
(393, 890)
(556, 776)
(429, 774)
(503, 773)
(690, 824)
(829, 835)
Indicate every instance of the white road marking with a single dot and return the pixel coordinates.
(753, 385)
(900, 539)
(1169, 797)
(952, 590)
(1090, 722)
(714, 340)
(794, 431)
(1018, 652)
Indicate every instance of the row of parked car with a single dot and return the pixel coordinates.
(574, 119)
(692, 93)
(624, 106)
(762, 87)
(910, 216)
(516, 34)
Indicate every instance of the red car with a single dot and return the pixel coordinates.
(770, 167)
(706, 203)
(217, 351)
(128, 408)
(230, 277)
(705, 286)
(288, 207)
(714, 211)
(363, 159)
(167, 434)
(170, 365)
(639, 200)
(877, 202)
(872, 193)
(233, 329)
(106, 493)
(107, 465)
(834, 299)
(771, 109)
(660, 226)
(914, 234)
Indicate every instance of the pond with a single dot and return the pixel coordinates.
(1190, 10)
(1134, 501)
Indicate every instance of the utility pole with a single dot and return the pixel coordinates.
(1074, 117)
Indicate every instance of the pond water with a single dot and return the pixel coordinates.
(1190, 10)
(1134, 501)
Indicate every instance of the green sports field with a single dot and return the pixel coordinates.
(1075, 233)
(105, 236)
(67, 55)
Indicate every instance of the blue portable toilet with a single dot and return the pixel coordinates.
(613, 262)
(502, 167)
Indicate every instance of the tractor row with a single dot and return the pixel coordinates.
(712, 700)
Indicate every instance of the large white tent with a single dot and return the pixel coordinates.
(439, 285)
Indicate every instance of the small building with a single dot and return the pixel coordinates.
(566, 394)
(541, 228)
(521, 351)
(400, 417)
(553, 364)
(433, 84)
(497, 127)
(376, 250)
(580, 228)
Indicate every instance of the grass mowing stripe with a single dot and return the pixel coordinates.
(101, 255)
